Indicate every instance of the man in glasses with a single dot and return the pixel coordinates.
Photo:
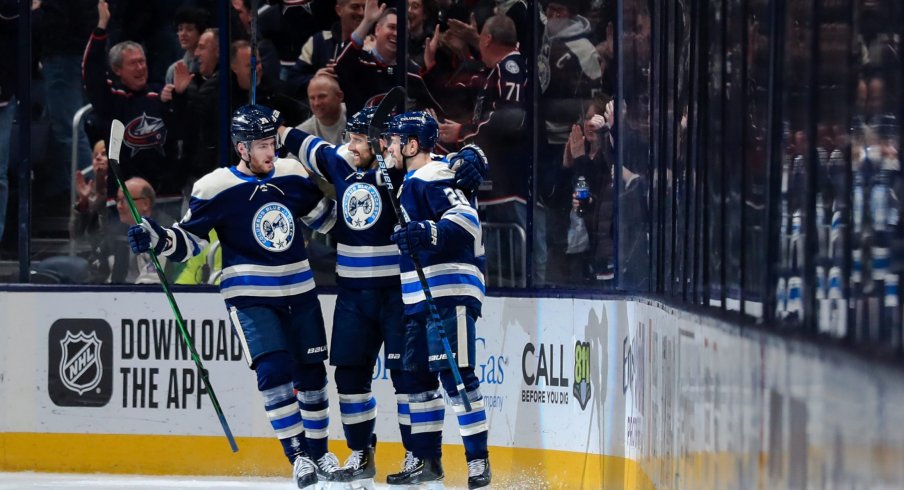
(140, 269)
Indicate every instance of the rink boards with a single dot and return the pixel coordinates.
(580, 393)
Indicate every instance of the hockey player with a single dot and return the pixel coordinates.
(444, 233)
(267, 281)
(369, 304)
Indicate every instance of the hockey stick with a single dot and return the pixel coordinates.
(253, 52)
(391, 100)
(116, 133)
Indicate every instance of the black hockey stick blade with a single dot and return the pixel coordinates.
(252, 94)
(394, 98)
(117, 131)
(390, 101)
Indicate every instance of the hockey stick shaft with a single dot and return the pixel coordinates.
(115, 142)
(253, 13)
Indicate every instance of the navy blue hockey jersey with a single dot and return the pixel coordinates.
(366, 257)
(264, 257)
(455, 273)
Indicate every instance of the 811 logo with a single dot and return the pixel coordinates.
(80, 370)
(581, 388)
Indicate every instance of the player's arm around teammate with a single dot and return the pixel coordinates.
(267, 281)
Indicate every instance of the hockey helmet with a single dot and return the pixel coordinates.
(416, 124)
(360, 121)
(254, 122)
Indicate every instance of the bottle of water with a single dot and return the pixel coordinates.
(582, 194)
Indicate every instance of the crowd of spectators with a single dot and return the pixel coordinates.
(155, 66)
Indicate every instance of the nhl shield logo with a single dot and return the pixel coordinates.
(581, 388)
(80, 365)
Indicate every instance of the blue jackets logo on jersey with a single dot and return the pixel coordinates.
(274, 227)
(361, 206)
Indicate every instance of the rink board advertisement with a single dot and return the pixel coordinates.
(100, 369)
(579, 394)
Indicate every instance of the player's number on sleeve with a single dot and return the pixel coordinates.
(456, 197)
(513, 89)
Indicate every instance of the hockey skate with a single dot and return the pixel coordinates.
(418, 473)
(479, 473)
(359, 470)
(329, 474)
(305, 472)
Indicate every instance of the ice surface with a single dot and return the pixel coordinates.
(18, 481)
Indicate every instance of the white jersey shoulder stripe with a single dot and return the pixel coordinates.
(214, 183)
(285, 167)
(434, 171)
(346, 154)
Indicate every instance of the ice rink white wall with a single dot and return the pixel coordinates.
(580, 394)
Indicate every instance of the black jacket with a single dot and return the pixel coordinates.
(65, 24)
(364, 80)
(9, 21)
(149, 150)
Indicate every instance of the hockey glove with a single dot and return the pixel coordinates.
(418, 236)
(147, 235)
(470, 166)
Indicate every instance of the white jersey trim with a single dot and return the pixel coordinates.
(367, 272)
(367, 251)
(214, 183)
(442, 269)
(268, 291)
(265, 270)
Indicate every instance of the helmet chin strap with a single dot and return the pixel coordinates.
(247, 161)
(406, 158)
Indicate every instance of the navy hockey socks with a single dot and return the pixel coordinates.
(282, 411)
(359, 417)
(315, 411)
(404, 415)
(427, 413)
(472, 425)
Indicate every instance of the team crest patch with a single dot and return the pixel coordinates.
(274, 227)
(361, 206)
(145, 132)
(80, 364)
(512, 67)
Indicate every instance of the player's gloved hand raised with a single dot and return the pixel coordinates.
(147, 235)
(470, 166)
(418, 236)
